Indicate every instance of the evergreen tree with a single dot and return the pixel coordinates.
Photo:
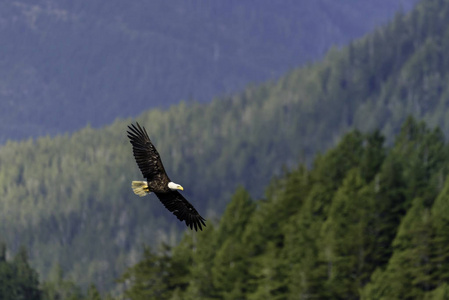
(201, 285)
(440, 222)
(373, 155)
(92, 293)
(181, 264)
(306, 271)
(440, 293)
(230, 264)
(270, 272)
(27, 281)
(236, 216)
(422, 155)
(230, 270)
(149, 279)
(57, 287)
(409, 272)
(18, 281)
(345, 245)
(389, 205)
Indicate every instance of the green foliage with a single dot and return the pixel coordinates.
(440, 293)
(18, 281)
(199, 278)
(26, 280)
(57, 287)
(346, 243)
(150, 278)
(407, 275)
(362, 223)
(440, 238)
(92, 293)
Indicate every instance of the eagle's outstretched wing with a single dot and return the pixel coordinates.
(182, 209)
(146, 155)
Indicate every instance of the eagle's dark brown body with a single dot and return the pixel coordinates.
(158, 186)
(152, 169)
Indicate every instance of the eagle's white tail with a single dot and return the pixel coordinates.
(140, 188)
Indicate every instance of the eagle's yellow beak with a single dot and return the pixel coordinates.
(180, 188)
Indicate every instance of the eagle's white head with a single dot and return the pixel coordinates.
(174, 186)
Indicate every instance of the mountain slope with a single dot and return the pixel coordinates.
(61, 194)
(65, 64)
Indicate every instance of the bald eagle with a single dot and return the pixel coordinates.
(157, 181)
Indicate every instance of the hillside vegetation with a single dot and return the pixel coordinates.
(68, 198)
(365, 222)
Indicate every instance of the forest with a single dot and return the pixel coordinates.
(62, 193)
(365, 221)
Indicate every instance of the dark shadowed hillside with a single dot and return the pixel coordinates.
(64, 64)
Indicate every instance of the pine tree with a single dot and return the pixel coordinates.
(27, 281)
(57, 287)
(373, 156)
(201, 284)
(236, 216)
(440, 293)
(440, 220)
(270, 271)
(389, 206)
(409, 272)
(230, 270)
(230, 264)
(148, 278)
(345, 245)
(92, 293)
(422, 154)
(181, 264)
(306, 272)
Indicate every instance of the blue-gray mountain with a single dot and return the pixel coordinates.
(64, 64)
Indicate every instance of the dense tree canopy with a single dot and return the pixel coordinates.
(347, 228)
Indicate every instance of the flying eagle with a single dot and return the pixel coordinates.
(150, 165)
